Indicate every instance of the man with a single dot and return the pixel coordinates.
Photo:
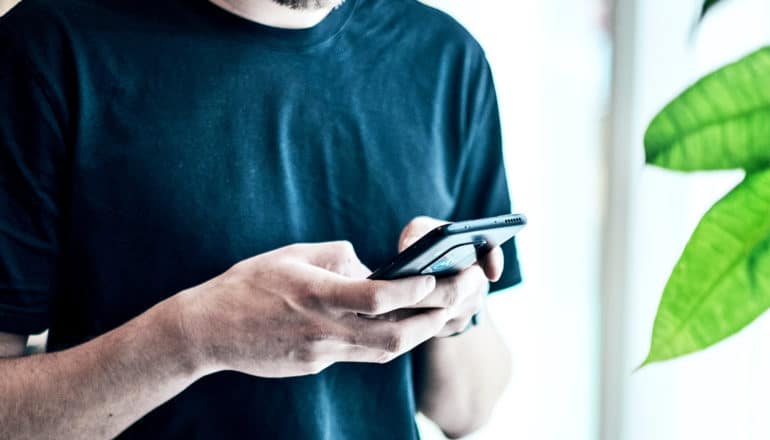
(158, 163)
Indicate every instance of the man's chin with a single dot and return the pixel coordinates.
(310, 4)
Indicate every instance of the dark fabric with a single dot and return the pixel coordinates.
(146, 146)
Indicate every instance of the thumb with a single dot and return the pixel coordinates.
(416, 229)
(407, 241)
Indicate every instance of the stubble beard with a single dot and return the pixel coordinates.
(310, 4)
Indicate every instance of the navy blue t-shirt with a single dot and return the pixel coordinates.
(147, 146)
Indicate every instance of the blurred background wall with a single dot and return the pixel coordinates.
(578, 80)
(552, 65)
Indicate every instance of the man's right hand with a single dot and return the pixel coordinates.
(290, 312)
(297, 310)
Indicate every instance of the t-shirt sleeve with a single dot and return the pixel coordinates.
(483, 189)
(31, 154)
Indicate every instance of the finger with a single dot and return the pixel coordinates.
(363, 354)
(329, 351)
(371, 297)
(324, 353)
(455, 326)
(397, 315)
(416, 229)
(492, 262)
(399, 337)
(455, 290)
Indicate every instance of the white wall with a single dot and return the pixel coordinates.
(551, 65)
(550, 62)
(723, 392)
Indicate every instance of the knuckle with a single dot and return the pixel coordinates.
(440, 320)
(351, 338)
(298, 251)
(315, 336)
(342, 257)
(344, 249)
(311, 296)
(452, 295)
(375, 300)
(458, 325)
(315, 367)
(385, 358)
(394, 342)
(306, 355)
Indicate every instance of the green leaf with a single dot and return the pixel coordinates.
(722, 281)
(721, 122)
(707, 5)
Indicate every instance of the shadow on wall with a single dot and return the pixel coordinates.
(5, 5)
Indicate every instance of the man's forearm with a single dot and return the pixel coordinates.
(98, 389)
(463, 378)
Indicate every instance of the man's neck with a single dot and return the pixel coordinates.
(272, 14)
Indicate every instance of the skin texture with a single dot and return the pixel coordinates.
(287, 14)
(466, 374)
(314, 294)
(97, 389)
(309, 4)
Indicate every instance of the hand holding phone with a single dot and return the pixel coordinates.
(450, 248)
(449, 251)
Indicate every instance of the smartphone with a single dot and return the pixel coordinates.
(451, 248)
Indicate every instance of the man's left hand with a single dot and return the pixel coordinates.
(465, 292)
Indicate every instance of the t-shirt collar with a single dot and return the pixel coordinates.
(330, 26)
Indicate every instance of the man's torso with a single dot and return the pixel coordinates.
(196, 139)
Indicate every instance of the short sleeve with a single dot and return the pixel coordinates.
(482, 189)
(31, 153)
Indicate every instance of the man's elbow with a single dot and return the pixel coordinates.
(464, 428)
(466, 419)
(459, 419)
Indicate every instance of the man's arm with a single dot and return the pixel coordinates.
(98, 389)
(313, 294)
(463, 378)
